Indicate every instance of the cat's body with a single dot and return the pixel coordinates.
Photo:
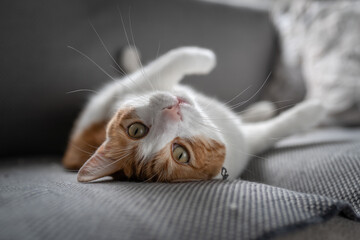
(159, 130)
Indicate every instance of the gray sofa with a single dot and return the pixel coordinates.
(306, 187)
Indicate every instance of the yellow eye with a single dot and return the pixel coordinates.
(137, 130)
(180, 154)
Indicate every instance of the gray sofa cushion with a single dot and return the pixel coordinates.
(40, 200)
(334, 229)
(326, 162)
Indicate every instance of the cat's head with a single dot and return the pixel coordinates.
(160, 136)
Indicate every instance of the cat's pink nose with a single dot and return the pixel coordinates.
(173, 113)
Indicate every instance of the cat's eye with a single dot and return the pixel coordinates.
(180, 154)
(137, 130)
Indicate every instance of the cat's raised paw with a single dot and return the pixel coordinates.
(196, 60)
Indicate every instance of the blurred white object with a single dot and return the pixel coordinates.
(129, 59)
(320, 45)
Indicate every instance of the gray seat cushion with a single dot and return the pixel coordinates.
(326, 162)
(40, 200)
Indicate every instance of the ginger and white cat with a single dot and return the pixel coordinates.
(149, 127)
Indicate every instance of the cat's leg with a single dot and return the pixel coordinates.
(259, 111)
(169, 69)
(261, 136)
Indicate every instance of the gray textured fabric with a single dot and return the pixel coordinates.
(40, 200)
(327, 164)
(334, 229)
(44, 202)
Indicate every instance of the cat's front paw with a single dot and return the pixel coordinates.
(196, 60)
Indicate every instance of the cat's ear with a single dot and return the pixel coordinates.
(97, 166)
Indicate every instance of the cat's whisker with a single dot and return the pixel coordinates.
(158, 50)
(281, 101)
(246, 153)
(116, 161)
(136, 51)
(237, 95)
(217, 130)
(118, 158)
(207, 105)
(81, 90)
(157, 55)
(140, 96)
(97, 65)
(104, 46)
(116, 153)
(82, 150)
(246, 110)
(148, 180)
(89, 145)
(117, 70)
(161, 177)
(209, 127)
(122, 71)
(274, 110)
(246, 101)
(122, 149)
(93, 91)
(129, 44)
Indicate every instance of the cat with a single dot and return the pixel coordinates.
(148, 127)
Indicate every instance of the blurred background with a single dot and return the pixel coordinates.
(51, 61)
(40, 73)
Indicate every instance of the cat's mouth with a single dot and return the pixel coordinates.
(174, 111)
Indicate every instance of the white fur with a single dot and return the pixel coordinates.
(156, 87)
